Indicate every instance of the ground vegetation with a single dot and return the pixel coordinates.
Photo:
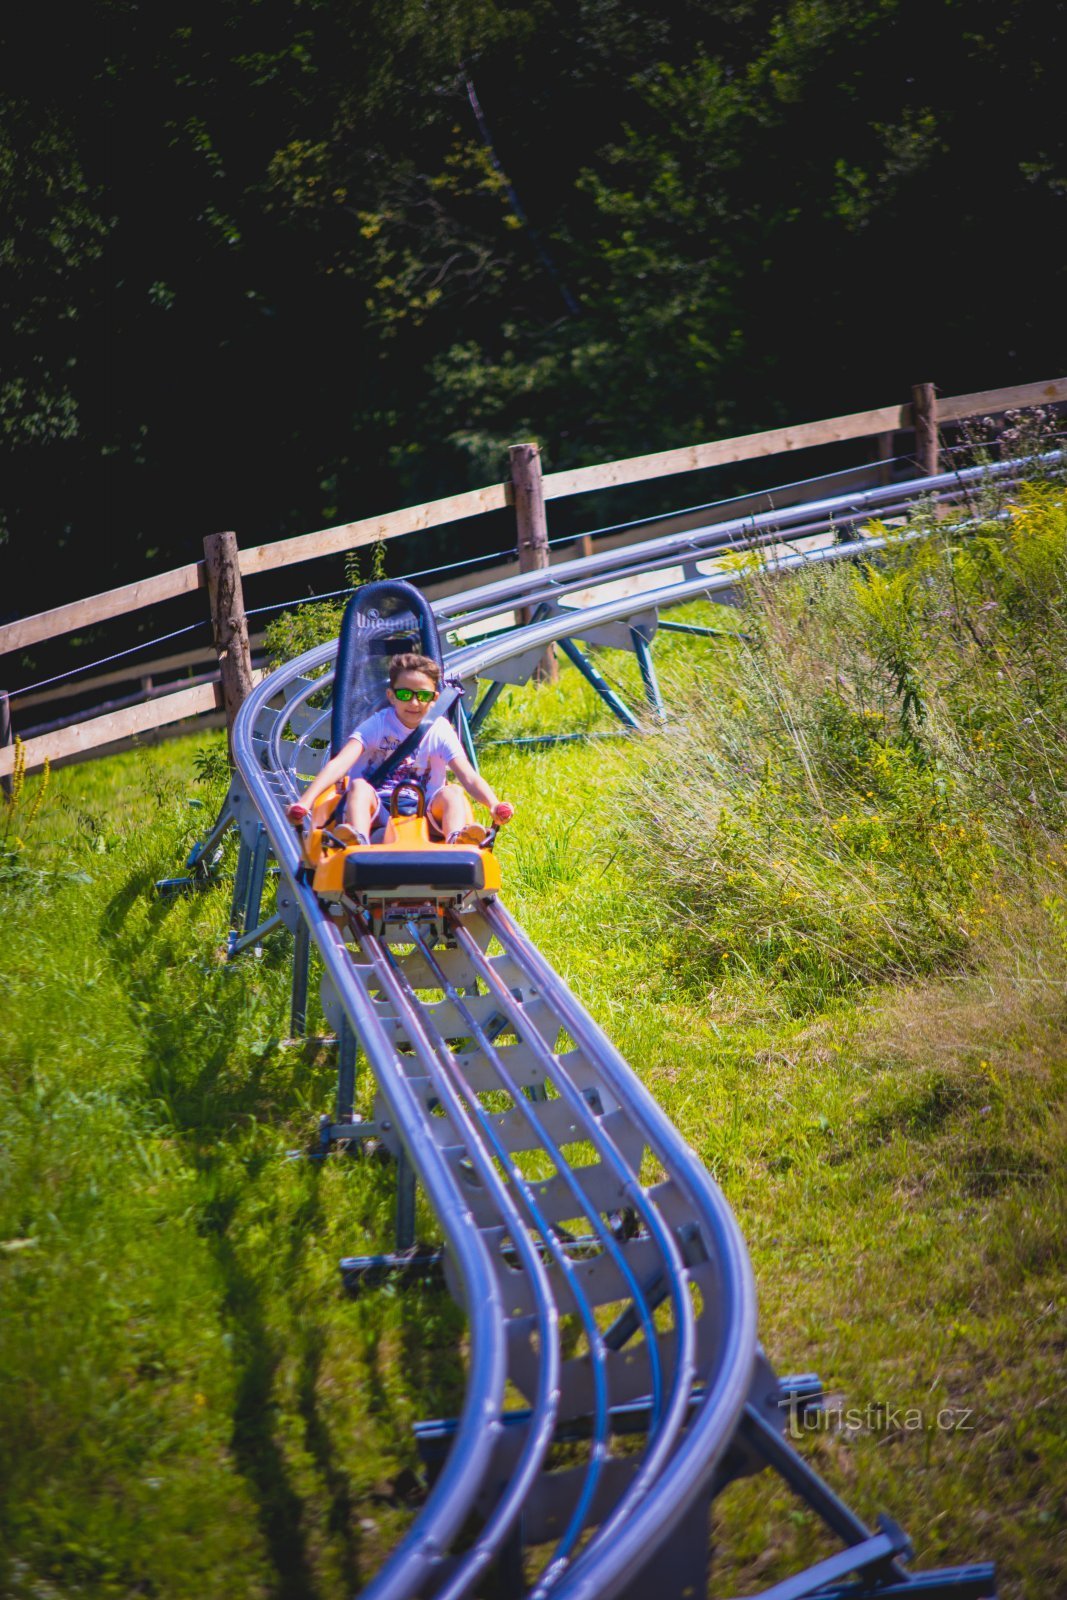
(822, 912)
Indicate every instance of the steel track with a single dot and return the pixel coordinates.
(598, 1263)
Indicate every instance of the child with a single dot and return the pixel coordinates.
(414, 684)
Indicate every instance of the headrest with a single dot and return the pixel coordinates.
(381, 620)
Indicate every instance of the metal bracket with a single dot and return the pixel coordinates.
(205, 858)
(404, 1268)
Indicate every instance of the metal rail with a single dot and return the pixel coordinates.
(757, 530)
(599, 1265)
(461, 1026)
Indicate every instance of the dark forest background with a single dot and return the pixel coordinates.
(261, 269)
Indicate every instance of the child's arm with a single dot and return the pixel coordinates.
(341, 763)
(478, 789)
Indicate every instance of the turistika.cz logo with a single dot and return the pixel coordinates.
(877, 1416)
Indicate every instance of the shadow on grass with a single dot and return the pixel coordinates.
(341, 1520)
(193, 1010)
(204, 1077)
(209, 1080)
(258, 1354)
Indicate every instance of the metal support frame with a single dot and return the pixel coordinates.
(805, 1482)
(485, 705)
(682, 1569)
(647, 1541)
(536, 741)
(466, 735)
(250, 878)
(405, 1201)
(257, 877)
(298, 1007)
(239, 942)
(603, 688)
(204, 858)
(239, 900)
(402, 1271)
(977, 1582)
(643, 651)
(346, 1073)
(872, 1554)
(701, 633)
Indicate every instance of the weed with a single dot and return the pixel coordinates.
(292, 632)
(20, 806)
(211, 762)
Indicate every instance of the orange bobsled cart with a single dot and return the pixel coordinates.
(406, 866)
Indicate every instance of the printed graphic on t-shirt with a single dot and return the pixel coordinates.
(407, 771)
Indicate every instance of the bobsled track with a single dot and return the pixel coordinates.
(615, 1379)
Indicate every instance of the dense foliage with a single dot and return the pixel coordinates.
(270, 266)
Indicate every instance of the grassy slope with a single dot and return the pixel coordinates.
(189, 1405)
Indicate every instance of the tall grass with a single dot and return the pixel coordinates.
(849, 796)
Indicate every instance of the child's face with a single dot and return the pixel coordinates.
(411, 712)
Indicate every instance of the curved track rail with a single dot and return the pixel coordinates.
(615, 1379)
(596, 1259)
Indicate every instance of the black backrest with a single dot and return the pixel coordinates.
(381, 620)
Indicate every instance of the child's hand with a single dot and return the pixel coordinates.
(502, 812)
(296, 812)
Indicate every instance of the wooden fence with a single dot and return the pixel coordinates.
(225, 565)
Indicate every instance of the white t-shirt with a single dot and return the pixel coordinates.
(428, 762)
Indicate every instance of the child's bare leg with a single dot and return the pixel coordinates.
(450, 809)
(361, 802)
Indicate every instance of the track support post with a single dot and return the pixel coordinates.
(680, 1567)
(405, 1202)
(599, 683)
(240, 888)
(346, 1072)
(298, 1009)
(489, 699)
(643, 651)
(466, 734)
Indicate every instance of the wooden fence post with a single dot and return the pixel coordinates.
(884, 456)
(229, 623)
(5, 733)
(924, 421)
(529, 499)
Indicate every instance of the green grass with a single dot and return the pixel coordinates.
(189, 1405)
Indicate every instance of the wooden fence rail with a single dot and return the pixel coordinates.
(454, 508)
(97, 731)
(927, 413)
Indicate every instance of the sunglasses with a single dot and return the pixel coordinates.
(423, 696)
